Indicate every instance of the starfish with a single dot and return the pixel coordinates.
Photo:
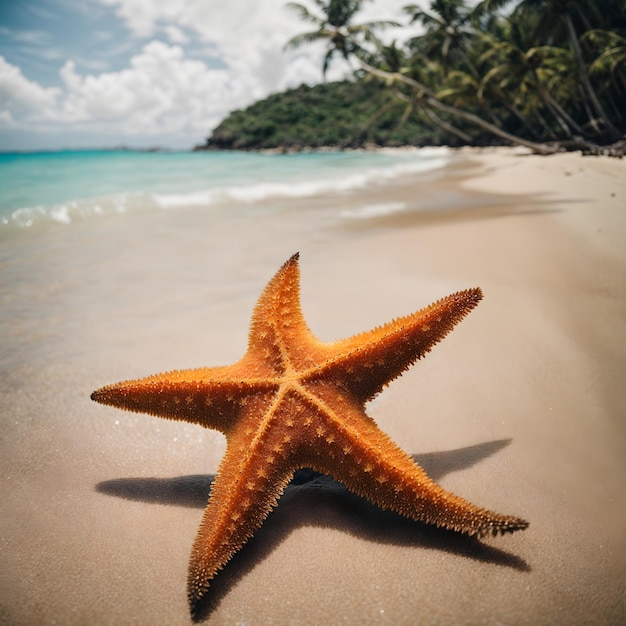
(293, 402)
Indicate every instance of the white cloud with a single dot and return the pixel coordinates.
(141, 16)
(21, 98)
(176, 35)
(162, 91)
(6, 119)
(249, 36)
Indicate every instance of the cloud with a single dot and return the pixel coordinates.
(161, 92)
(168, 89)
(249, 35)
(176, 35)
(22, 99)
(142, 16)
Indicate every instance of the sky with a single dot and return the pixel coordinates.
(148, 73)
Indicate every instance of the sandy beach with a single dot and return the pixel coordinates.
(520, 410)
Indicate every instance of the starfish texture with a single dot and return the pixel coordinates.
(293, 402)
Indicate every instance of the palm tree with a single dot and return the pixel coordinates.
(612, 58)
(608, 48)
(334, 26)
(563, 14)
(428, 99)
(522, 70)
(446, 34)
(393, 60)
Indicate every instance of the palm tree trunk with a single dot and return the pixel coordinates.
(434, 119)
(549, 102)
(474, 119)
(544, 123)
(511, 108)
(584, 75)
(405, 116)
(453, 130)
(472, 68)
(558, 111)
(383, 109)
(430, 99)
(593, 120)
(618, 114)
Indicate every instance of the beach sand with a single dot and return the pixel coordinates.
(521, 409)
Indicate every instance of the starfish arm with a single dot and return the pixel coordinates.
(211, 397)
(249, 482)
(369, 361)
(357, 453)
(279, 338)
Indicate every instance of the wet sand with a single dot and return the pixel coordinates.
(520, 409)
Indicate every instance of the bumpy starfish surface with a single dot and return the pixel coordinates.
(293, 402)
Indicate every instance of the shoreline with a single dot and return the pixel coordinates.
(310, 149)
(179, 181)
(518, 410)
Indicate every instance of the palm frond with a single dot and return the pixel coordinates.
(327, 57)
(488, 6)
(426, 19)
(304, 14)
(304, 38)
(382, 24)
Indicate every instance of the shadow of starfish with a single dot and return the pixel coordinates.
(313, 499)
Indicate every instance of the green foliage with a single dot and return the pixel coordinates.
(500, 71)
(333, 19)
(343, 114)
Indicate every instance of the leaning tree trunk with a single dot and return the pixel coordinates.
(431, 100)
(556, 115)
(474, 119)
(563, 118)
(453, 130)
(435, 120)
(383, 109)
(544, 124)
(561, 115)
(594, 121)
(584, 75)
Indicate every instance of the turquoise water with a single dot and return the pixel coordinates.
(64, 186)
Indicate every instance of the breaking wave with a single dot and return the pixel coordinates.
(318, 178)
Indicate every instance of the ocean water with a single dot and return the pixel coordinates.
(69, 186)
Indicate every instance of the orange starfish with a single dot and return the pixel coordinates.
(293, 402)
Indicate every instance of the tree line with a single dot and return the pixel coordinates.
(547, 74)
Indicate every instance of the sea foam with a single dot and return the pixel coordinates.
(332, 183)
(217, 181)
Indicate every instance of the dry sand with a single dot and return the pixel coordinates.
(521, 409)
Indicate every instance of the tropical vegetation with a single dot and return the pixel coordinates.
(547, 74)
(346, 114)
